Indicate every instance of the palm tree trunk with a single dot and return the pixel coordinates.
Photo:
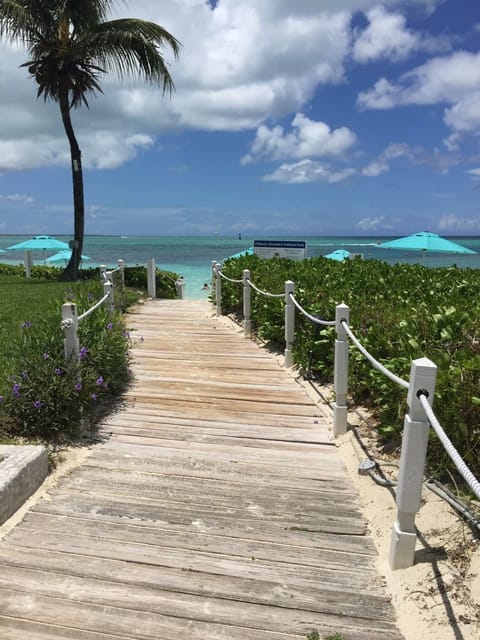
(71, 270)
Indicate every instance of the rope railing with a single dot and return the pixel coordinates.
(267, 294)
(417, 422)
(85, 314)
(455, 457)
(378, 365)
(222, 275)
(314, 319)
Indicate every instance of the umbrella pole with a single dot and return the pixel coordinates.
(28, 264)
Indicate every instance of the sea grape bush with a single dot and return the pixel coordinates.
(41, 395)
(400, 312)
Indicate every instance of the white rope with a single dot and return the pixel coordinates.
(265, 293)
(326, 323)
(115, 270)
(227, 278)
(465, 472)
(95, 306)
(371, 359)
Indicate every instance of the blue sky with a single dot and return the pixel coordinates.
(313, 117)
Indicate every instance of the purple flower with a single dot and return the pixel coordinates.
(94, 396)
(99, 380)
(2, 399)
(83, 353)
(126, 334)
(37, 404)
(142, 338)
(89, 296)
(77, 386)
(27, 324)
(25, 375)
(110, 326)
(46, 356)
(57, 371)
(16, 390)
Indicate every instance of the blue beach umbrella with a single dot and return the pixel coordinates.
(339, 255)
(40, 243)
(64, 256)
(425, 241)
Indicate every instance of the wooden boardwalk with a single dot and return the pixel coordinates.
(215, 508)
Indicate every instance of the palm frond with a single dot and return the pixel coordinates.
(130, 47)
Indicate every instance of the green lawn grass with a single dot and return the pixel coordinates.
(25, 300)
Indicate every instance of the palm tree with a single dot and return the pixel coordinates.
(70, 44)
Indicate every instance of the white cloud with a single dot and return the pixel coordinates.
(382, 163)
(375, 168)
(16, 197)
(451, 223)
(373, 223)
(474, 172)
(387, 36)
(308, 138)
(453, 80)
(464, 116)
(306, 171)
(241, 64)
(442, 79)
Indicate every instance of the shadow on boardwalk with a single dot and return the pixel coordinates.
(215, 508)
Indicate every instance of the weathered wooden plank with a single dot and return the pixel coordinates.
(179, 489)
(204, 467)
(269, 405)
(191, 432)
(147, 603)
(191, 410)
(315, 598)
(186, 513)
(15, 629)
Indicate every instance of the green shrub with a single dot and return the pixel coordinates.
(399, 312)
(41, 395)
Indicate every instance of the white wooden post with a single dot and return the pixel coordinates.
(71, 344)
(218, 290)
(121, 266)
(214, 278)
(180, 286)
(340, 376)
(151, 284)
(103, 271)
(289, 323)
(108, 288)
(247, 323)
(423, 375)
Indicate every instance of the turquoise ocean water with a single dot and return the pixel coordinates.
(192, 256)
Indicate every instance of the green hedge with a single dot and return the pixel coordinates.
(400, 312)
(135, 277)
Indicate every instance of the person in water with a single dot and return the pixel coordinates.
(205, 287)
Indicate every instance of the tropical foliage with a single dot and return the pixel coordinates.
(70, 44)
(42, 395)
(400, 312)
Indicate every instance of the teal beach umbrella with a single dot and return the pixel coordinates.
(64, 256)
(247, 252)
(425, 241)
(339, 255)
(40, 243)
